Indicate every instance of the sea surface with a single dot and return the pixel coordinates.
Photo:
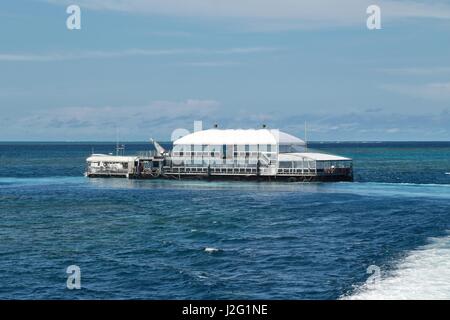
(384, 236)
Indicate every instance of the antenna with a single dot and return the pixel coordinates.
(306, 143)
(120, 148)
(117, 141)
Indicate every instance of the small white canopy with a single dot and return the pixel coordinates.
(109, 158)
(239, 137)
(310, 156)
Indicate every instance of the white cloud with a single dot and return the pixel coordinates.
(178, 34)
(64, 56)
(129, 116)
(392, 130)
(332, 12)
(416, 9)
(12, 92)
(159, 118)
(417, 71)
(434, 91)
(210, 63)
(154, 110)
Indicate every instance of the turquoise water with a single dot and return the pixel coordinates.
(147, 239)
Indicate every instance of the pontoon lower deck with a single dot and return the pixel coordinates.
(296, 167)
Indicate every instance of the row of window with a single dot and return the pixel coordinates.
(218, 162)
(246, 170)
(226, 148)
(314, 164)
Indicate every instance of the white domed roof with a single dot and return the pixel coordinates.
(239, 137)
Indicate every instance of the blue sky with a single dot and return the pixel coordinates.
(146, 67)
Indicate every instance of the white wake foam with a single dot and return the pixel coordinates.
(423, 274)
(211, 250)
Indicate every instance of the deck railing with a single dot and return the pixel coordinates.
(297, 171)
(213, 170)
(106, 171)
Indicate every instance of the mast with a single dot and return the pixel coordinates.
(306, 143)
(117, 141)
(120, 148)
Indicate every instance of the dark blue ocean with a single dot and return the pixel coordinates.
(225, 240)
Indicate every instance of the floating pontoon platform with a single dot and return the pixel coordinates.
(254, 154)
